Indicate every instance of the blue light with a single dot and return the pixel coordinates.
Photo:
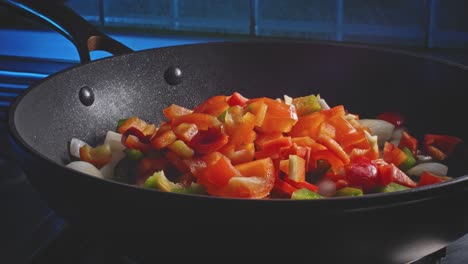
(53, 46)
(16, 74)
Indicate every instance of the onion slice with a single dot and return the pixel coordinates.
(431, 167)
(396, 136)
(85, 167)
(380, 128)
(114, 140)
(288, 100)
(324, 104)
(75, 145)
(108, 169)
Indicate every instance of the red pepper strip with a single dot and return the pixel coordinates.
(281, 186)
(302, 184)
(137, 133)
(428, 178)
(163, 140)
(334, 147)
(174, 111)
(392, 154)
(132, 122)
(237, 99)
(132, 142)
(203, 121)
(205, 142)
(409, 142)
(391, 171)
(395, 118)
(446, 144)
(186, 131)
(133, 138)
(284, 187)
(213, 106)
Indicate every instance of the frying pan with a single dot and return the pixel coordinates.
(86, 101)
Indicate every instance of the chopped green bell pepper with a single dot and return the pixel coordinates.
(409, 162)
(306, 104)
(305, 194)
(392, 187)
(348, 191)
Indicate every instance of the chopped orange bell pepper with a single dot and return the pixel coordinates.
(213, 106)
(203, 121)
(174, 111)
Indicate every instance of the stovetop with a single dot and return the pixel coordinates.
(30, 232)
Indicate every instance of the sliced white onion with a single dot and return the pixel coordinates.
(431, 167)
(349, 117)
(380, 128)
(115, 141)
(324, 104)
(107, 170)
(288, 100)
(85, 167)
(396, 136)
(75, 145)
(424, 158)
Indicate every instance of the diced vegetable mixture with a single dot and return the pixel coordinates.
(262, 148)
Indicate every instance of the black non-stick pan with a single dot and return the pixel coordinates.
(86, 101)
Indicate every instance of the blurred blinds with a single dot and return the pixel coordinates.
(427, 23)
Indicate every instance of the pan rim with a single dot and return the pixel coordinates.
(379, 200)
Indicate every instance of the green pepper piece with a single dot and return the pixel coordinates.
(305, 194)
(134, 154)
(181, 149)
(159, 181)
(392, 187)
(120, 122)
(194, 188)
(222, 116)
(348, 191)
(409, 162)
(306, 104)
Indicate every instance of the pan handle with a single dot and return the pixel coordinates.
(67, 22)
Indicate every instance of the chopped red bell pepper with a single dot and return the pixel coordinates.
(391, 171)
(185, 131)
(213, 106)
(428, 178)
(237, 99)
(395, 118)
(162, 140)
(440, 146)
(284, 187)
(133, 142)
(209, 141)
(409, 142)
(301, 184)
